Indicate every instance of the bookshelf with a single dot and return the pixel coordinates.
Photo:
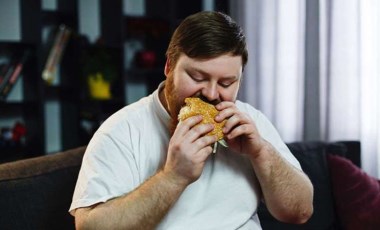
(61, 114)
(32, 106)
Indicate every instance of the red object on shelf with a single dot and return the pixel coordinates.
(146, 59)
(18, 132)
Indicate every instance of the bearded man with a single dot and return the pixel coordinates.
(143, 169)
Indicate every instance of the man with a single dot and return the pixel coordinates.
(145, 170)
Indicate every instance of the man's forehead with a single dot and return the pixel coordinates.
(225, 66)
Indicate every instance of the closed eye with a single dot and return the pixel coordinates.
(196, 77)
(226, 84)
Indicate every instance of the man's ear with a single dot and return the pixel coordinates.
(167, 67)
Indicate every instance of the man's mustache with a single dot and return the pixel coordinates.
(203, 98)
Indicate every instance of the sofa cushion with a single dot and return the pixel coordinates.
(356, 195)
(36, 193)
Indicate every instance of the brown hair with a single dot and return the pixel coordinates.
(207, 35)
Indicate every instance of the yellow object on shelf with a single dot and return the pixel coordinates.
(99, 88)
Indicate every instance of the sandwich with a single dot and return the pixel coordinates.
(195, 106)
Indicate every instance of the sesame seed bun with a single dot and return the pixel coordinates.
(195, 106)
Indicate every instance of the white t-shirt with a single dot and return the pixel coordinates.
(131, 146)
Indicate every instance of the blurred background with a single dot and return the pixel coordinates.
(66, 65)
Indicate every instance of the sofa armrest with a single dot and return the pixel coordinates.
(36, 193)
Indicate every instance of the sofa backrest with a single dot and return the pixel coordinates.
(36, 193)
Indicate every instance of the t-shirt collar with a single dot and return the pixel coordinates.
(159, 107)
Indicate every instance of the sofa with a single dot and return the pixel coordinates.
(36, 193)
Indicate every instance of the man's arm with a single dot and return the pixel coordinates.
(287, 191)
(143, 208)
(147, 205)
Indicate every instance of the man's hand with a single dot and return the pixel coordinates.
(240, 131)
(188, 150)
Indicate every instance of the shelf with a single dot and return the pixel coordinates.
(146, 26)
(143, 72)
(14, 49)
(15, 152)
(50, 17)
(14, 108)
(65, 93)
(99, 109)
(12, 153)
(4, 44)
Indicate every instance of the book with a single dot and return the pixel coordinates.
(55, 54)
(3, 70)
(5, 60)
(12, 75)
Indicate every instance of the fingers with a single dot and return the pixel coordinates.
(237, 120)
(202, 154)
(226, 110)
(190, 129)
(198, 131)
(206, 141)
(224, 104)
(187, 124)
(240, 130)
(237, 124)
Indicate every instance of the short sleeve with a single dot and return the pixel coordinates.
(108, 170)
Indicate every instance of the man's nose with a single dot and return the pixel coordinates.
(210, 92)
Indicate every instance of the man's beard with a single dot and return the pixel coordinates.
(173, 103)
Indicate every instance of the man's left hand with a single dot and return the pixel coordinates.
(240, 131)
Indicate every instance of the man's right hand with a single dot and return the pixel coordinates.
(188, 150)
